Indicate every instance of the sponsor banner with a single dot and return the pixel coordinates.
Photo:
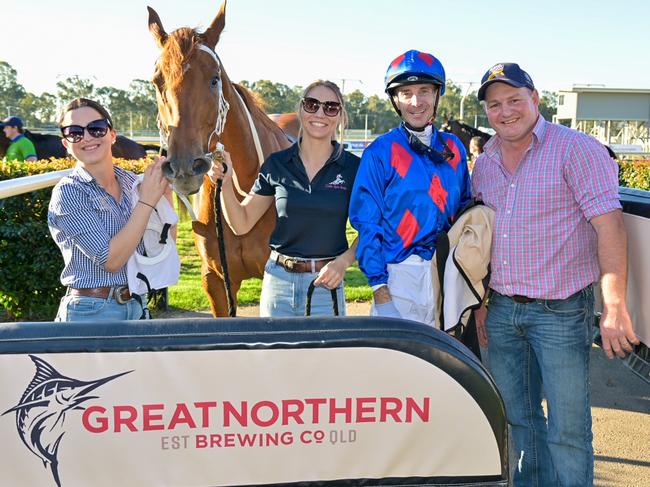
(236, 417)
(358, 145)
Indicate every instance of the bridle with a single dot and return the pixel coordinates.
(224, 106)
(215, 156)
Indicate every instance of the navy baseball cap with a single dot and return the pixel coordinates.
(12, 122)
(509, 73)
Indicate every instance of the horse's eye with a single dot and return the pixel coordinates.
(214, 82)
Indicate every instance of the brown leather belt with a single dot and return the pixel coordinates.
(292, 264)
(518, 298)
(121, 294)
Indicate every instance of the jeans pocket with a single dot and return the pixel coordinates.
(269, 266)
(572, 306)
(84, 306)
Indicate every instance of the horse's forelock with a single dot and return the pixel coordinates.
(179, 48)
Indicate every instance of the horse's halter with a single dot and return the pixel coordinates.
(219, 125)
(224, 106)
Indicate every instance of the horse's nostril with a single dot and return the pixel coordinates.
(168, 169)
(201, 166)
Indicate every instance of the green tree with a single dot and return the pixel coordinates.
(39, 111)
(74, 87)
(118, 104)
(143, 102)
(275, 97)
(382, 117)
(548, 104)
(356, 105)
(449, 104)
(11, 92)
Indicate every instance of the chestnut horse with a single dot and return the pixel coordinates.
(199, 105)
(288, 122)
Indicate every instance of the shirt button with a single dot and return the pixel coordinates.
(505, 235)
(508, 212)
(512, 185)
(505, 262)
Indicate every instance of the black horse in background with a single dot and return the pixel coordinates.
(463, 131)
(48, 145)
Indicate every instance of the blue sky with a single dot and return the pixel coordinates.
(560, 43)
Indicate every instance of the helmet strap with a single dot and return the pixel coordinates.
(391, 97)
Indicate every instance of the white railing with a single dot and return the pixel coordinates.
(14, 187)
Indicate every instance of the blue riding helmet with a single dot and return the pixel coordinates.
(414, 67)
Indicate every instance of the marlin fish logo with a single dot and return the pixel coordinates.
(40, 414)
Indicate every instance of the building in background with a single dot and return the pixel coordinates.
(618, 117)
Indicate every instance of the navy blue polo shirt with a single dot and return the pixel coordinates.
(311, 216)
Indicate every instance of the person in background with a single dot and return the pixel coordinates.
(94, 221)
(412, 183)
(310, 184)
(475, 149)
(20, 147)
(558, 229)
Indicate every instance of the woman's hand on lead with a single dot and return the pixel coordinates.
(217, 170)
(331, 275)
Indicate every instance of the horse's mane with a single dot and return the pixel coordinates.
(178, 48)
(254, 107)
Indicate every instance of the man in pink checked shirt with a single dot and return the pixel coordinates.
(558, 229)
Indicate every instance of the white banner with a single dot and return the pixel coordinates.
(241, 417)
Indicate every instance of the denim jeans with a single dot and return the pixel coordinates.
(84, 308)
(284, 293)
(537, 350)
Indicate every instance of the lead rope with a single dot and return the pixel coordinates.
(216, 156)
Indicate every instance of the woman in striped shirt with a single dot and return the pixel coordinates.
(93, 220)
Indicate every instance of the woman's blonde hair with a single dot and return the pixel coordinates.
(344, 114)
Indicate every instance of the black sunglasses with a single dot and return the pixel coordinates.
(96, 128)
(330, 108)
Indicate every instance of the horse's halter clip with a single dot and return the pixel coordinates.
(217, 155)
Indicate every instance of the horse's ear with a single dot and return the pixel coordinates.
(156, 28)
(216, 27)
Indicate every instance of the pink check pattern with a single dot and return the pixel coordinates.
(543, 245)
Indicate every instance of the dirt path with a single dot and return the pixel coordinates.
(620, 408)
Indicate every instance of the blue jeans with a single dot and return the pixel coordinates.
(542, 348)
(84, 308)
(284, 293)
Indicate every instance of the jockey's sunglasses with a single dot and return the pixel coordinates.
(330, 108)
(96, 129)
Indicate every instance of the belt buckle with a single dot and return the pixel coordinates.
(117, 294)
(290, 264)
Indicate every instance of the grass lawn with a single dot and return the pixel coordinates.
(188, 294)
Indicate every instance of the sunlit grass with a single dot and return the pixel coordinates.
(188, 294)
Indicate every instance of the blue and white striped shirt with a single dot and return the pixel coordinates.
(83, 218)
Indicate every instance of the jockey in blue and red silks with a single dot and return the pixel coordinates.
(411, 184)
